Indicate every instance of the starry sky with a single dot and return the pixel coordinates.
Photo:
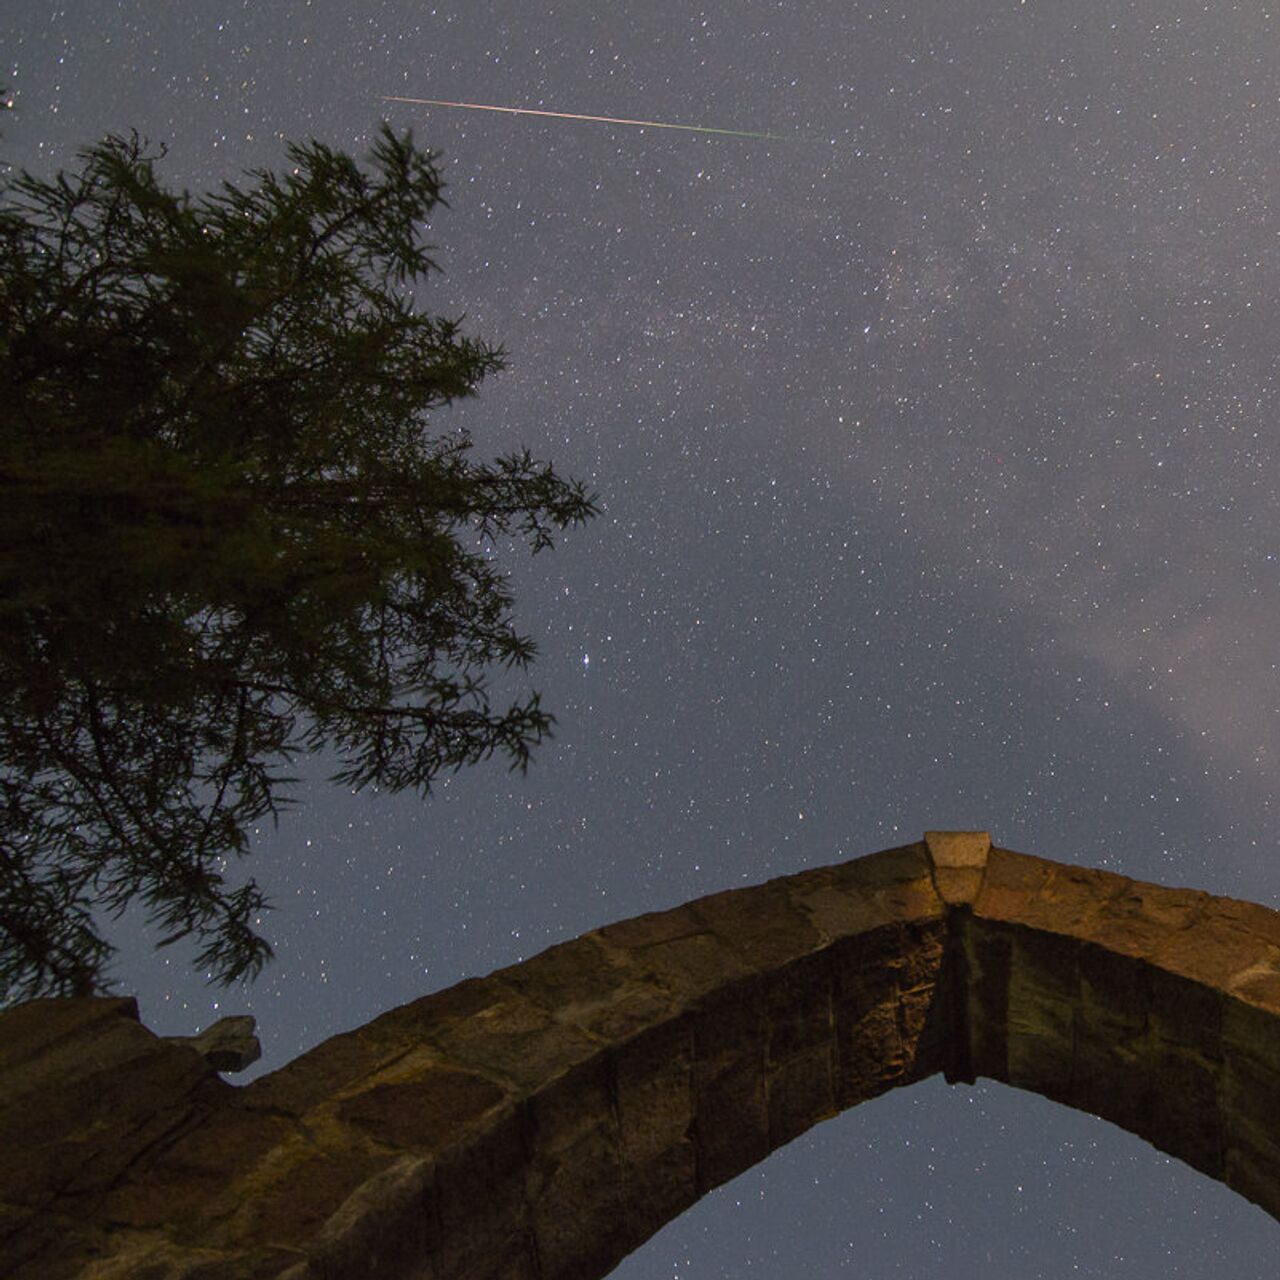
(937, 455)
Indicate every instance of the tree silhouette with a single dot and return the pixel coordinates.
(227, 536)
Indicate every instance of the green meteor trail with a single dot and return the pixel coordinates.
(570, 115)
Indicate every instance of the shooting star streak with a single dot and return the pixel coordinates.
(570, 115)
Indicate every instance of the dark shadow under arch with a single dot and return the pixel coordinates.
(544, 1121)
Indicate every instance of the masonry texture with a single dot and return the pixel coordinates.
(546, 1120)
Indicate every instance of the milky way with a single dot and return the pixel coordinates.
(938, 466)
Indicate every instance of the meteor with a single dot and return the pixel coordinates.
(571, 115)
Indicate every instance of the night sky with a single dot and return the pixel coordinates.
(936, 448)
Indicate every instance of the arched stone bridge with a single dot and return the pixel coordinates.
(544, 1121)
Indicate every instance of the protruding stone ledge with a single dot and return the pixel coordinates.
(229, 1045)
(959, 861)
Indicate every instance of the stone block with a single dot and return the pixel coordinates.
(516, 1041)
(1185, 1013)
(687, 968)
(188, 1179)
(600, 988)
(1011, 881)
(959, 861)
(46, 1031)
(923, 1029)
(988, 1047)
(389, 1225)
(869, 1057)
(512, 1258)
(1112, 1068)
(633, 1009)
(866, 969)
(438, 1108)
(841, 912)
(731, 1125)
(573, 977)
(912, 900)
(41, 1243)
(291, 1194)
(798, 1008)
(1040, 1059)
(1250, 1032)
(989, 949)
(883, 998)
(1047, 896)
(799, 1092)
(89, 1093)
(1244, 917)
(920, 955)
(1258, 985)
(1253, 1169)
(654, 1087)
(1043, 965)
(343, 1060)
(652, 928)
(575, 1172)
(482, 1196)
(800, 1047)
(1217, 955)
(1186, 1119)
(958, 850)
(1249, 1088)
(322, 1071)
(899, 882)
(1140, 919)
(468, 999)
(761, 924)
(1041, 1011)
(904, 864)
(1114, 988)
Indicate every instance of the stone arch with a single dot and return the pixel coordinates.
(546, 1120)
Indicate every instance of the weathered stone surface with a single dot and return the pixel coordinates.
(331, 1067)
(575, 1172)
(85, 1087)
(545, 1120)
(188, 1179)
(423, 1114)
(517, 1042)
(731, 1117)
(653, 1084)
(600, 989)
(799, 1049)
(481, 1202)
(388, 1225)
(765, 928)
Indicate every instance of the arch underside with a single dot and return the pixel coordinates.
(548, 1119)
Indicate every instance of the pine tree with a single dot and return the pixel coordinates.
(229, 535)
